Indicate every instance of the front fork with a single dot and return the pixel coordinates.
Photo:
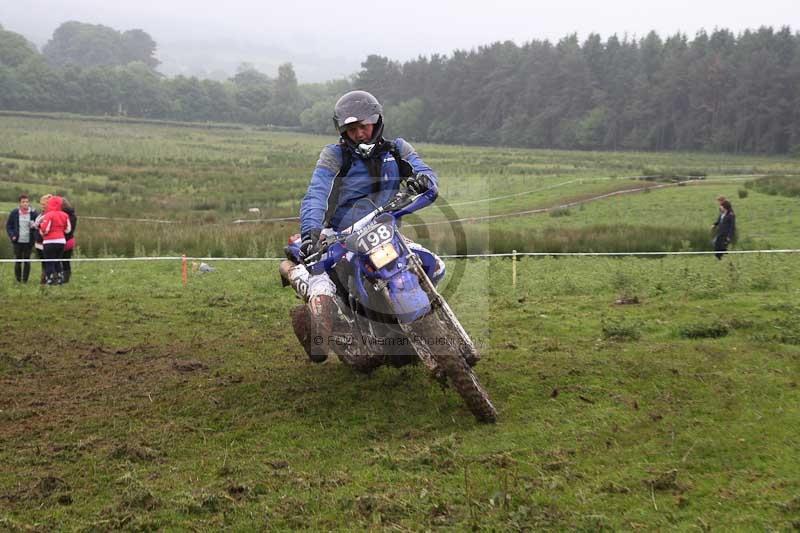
(440, 306)
(468, 349)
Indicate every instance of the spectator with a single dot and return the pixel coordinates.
(66, 266)
(726, 228)
(37, 243)
(54, 226)
(20, 229)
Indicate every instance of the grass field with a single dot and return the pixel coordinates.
(147, 405)
(128, 401)
(205, 179)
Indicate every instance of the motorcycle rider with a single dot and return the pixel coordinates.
(351, 177)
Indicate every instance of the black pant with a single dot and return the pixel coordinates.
(66, 266)
(720, 245)
(22, 251)
(53, 251)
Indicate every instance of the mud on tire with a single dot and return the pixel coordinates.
(462, 378)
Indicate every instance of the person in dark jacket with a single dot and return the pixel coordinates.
(726, 228)
(69, 247)
(20, 229)
(360, 171)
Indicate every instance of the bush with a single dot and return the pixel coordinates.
(711, 330)
(743, 193)
(560, 212)
(778, 185)
(625, 285)
(620, 330)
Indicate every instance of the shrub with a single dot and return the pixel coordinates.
(743, 193)
(560, 212)
(778, 185)
(620, 330)
(712, 330)
(625, 285)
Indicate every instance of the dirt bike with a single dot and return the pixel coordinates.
(389, 311)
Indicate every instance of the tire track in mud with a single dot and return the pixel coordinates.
(46, 392)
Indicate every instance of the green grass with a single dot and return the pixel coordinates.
(147, 405)
(130, 402)
(206, 178)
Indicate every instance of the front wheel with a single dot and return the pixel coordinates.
(449, 358)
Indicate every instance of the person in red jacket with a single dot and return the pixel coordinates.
(54, 226)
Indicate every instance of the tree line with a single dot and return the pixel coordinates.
(719, 91)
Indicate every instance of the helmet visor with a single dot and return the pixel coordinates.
(371, 119)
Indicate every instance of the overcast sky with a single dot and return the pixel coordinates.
(330, 38)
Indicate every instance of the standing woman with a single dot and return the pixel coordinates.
(66, 265)
(37, 236)
(726, 228)
(54, 226)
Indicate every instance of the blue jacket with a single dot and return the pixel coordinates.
(356, 186)
(12, 224)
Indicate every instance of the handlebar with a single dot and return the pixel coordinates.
(400, 200)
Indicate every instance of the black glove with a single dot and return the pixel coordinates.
(419, 183)
(310, 243)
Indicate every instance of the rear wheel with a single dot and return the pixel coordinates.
(353, 351)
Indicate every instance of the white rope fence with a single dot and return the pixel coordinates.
(449, 256)
(616, 254)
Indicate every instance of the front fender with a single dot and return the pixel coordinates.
(406, 298)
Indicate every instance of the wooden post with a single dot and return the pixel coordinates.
(183, 269)
(513, 268)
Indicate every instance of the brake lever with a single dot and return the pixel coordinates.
(316, 256)
(401, 199)
(323, 248)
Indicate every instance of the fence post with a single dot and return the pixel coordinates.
(513, 268)
(183, 269)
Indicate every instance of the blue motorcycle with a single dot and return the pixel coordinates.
(389, 311)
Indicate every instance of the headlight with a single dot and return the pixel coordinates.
(383, 255)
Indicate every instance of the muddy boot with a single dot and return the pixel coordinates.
(321, 312)
(300, 325)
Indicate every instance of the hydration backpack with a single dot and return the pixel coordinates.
(374, 164)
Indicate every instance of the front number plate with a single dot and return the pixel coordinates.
(375, 237)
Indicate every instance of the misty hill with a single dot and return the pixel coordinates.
(219, 59)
